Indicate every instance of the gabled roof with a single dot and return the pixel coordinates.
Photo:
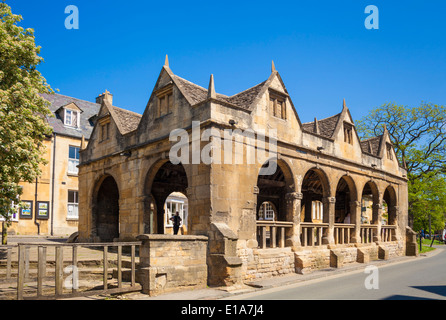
(126, 121)
(89, 109)
(196, 94)
(372, 145)
(325, 126)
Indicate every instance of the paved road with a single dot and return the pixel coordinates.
(423, 278)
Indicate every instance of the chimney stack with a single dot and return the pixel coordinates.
(106, 96)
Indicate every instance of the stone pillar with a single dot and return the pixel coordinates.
(293, 201)
(355, 213)
(329, 217)
(393, 219)
(411, 242)
(377, 212)
(224, 266)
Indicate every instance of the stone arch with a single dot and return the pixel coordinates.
(274, 186)
(315, 188)
(162, 179)
(346, 198)
(105, 209)
(390, 199)
(370, 203)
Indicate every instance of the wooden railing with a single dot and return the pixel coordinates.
(311, 234)
(272, 233)
(343, 233)
(368, 232)
(66, 263)
(387, 233)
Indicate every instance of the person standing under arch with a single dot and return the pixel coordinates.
(176, 220)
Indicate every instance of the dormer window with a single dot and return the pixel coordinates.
(71, 118)
(70, 114)
(348, 133)
(389, 151)
(104, 124)
(164, 101)
(277, 105)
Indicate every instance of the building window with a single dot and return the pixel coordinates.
(172, 207)
(105, 131)
(267, 211)
(73, 205)
(317, 210)
(348, 133)
(277, 106)
(389, 151)
(165, 101)
(71, 118)
(73, 160)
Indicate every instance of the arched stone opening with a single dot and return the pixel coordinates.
(315, 192)
(274, 215)
(346, 211)
(315, 208)
(164, 179)
(370, 204)
(106, 210)
(390, 209)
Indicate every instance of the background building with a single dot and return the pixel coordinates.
(53, 199)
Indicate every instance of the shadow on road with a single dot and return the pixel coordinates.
(440, 290)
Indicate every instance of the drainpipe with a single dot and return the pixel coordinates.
(52, 183)
(37, 209)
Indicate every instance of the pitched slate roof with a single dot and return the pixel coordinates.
(195, 94)
(127, 121)
(326, 126)
(372, 145)
(89, 109)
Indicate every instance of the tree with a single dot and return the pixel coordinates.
(23, 112)
(419, 137)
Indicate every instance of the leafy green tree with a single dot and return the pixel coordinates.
(419, 137)
(23, 112)
(427, 200)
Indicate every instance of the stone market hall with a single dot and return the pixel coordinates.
(332, 200)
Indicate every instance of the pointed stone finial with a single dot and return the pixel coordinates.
(83, 144)
(273, 67)
(344, 105)
(211, 90)
(316, 126)
(166, 62)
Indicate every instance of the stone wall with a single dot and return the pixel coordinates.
(265, 263)
(170, 263)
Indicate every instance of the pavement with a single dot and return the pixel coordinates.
(216, 293)
(263, 284)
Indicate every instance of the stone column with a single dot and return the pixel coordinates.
(355, 213)
(329, 217)
(393, 219)
(293, 201)
(377, 212)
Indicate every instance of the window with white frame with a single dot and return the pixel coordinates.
(73, 160)
(267, 211)
(73, 205)
(172, 207)
(71, 118)
(317, 210)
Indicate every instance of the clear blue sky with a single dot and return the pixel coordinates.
(322, 49)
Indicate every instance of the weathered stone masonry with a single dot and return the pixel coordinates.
(332, 200)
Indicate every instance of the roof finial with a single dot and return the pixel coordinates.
(316, 126)
(344, 105)
(166, 62)
(211, 90)
(273, 67)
